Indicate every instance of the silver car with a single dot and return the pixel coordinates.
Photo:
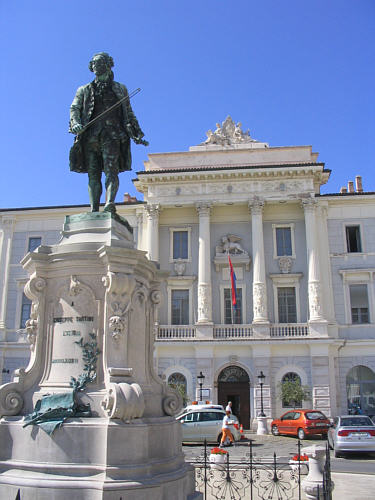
(206, 423)
(351, 433)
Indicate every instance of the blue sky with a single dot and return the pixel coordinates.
(294, 72)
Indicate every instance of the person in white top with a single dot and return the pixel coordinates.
(229, 406)
(226, 433)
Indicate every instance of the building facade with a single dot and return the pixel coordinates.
(304, 265)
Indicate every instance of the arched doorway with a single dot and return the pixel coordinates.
(234, 385)
(360, 390)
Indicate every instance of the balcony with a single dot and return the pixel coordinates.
(176, 332)
(231, 332)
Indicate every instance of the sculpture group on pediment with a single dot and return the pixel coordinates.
(228, 133)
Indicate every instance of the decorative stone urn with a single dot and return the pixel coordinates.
(94, 300)
(312, 485)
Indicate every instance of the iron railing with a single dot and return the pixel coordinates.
(254, 478)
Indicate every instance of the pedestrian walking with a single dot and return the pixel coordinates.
(226, 432)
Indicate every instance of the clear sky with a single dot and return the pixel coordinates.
(294, 72)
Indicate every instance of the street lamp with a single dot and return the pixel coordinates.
(261, 378)
(200, 378)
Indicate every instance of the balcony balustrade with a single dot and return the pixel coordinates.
(232, 332)
(176, 332)
(289, 330)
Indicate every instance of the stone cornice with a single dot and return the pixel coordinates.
(313, 171)
(240, 166)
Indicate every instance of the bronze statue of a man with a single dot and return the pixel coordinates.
(103, 145)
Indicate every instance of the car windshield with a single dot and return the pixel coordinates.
(355, 421)
(315, 415)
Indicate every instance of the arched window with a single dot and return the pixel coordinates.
(360, 390)
(290, 390)
(177, 380)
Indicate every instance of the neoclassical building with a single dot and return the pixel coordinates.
(304, 264)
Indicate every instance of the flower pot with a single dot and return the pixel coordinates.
(217, 461)
(303, 465)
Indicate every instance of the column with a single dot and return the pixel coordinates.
(5, 254)
(325, 267)
(314, 284)
(204, 265)
(153, 212)
(260, 312)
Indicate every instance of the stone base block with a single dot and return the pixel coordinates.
(95, 459)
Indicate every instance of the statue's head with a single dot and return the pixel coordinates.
(101, 63)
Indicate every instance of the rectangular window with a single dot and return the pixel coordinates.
(286, 298)
(34, 243)
(180, 245)
(25, 310)
(353, 239)
(283, 241)
(232, 315)
(359, 303)
(180, 307)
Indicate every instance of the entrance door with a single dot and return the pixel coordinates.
(234, 385)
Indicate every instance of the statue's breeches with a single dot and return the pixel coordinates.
(102, 153)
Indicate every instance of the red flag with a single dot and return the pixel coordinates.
(233, 283)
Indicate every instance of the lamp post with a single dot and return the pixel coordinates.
(200, 378)
(261, 378)
(262, 419)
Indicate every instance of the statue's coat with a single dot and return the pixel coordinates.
(81, 112)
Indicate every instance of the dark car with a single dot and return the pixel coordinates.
(301, 423)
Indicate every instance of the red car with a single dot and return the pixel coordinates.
(301, 423)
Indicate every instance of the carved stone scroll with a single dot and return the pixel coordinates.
(124, 401)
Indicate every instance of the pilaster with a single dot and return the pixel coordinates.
(140, 227)
(5, 255)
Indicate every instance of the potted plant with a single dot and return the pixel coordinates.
(300, 462)
(217, 457)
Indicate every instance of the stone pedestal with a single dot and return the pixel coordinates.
(93, 287)
(312, 485)
(262, 425)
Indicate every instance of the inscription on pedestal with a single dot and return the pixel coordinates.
(73, 319)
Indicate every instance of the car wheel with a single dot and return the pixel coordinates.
(219, 438)
(275, 430)
(301, 434)
(336, 453)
